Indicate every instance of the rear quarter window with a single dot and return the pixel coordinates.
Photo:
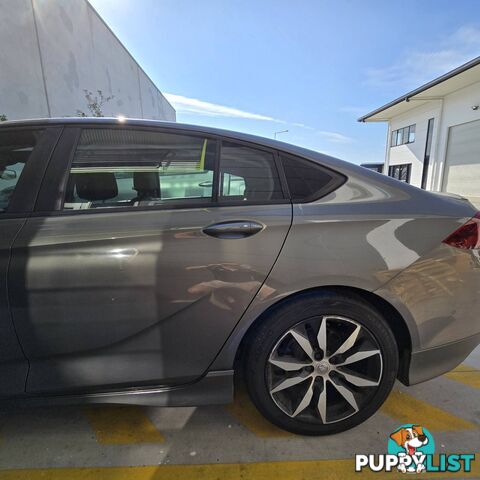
(307, 181)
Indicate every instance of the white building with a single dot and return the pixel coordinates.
(53, 50)
(433, 137)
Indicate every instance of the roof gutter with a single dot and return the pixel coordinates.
(408, 97)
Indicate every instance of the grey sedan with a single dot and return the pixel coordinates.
(149, 263)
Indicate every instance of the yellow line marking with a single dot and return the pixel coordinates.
(464, 368)
(406, 409)
(245, 412)
(314, 470)
(465, 374)
(122, 425)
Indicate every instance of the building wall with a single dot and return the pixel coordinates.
(457, 109)
(414, 152)
(453, 109)
(53, 50)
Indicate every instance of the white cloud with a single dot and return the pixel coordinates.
(335, 137)
(200, 107)
(418, 67)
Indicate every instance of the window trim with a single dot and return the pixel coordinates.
(29, 183)
(52, 191)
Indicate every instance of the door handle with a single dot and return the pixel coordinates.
(232, 230)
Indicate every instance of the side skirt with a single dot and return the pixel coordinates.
(215, 388)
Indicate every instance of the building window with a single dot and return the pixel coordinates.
(403, 136)
(400, 172)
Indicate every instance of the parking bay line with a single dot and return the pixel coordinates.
(121, 425)
(314, 470)
(407, 409)
(465, 374)
(246, 413)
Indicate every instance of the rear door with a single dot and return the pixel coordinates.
(157, 243)
(24, 154)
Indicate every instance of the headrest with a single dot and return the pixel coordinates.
(96, 186)
(146, 181)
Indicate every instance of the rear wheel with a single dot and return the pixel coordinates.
(321, 363)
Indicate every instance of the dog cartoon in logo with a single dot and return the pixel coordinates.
(410, 439)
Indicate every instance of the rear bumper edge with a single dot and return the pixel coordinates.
(431, 363)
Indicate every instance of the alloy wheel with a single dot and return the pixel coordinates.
(324, 369)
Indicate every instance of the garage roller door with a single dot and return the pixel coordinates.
(462, 166)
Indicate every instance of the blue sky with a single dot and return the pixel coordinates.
(311, 67)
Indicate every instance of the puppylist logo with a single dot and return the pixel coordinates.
(411, 449)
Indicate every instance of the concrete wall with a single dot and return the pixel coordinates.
(51, 50)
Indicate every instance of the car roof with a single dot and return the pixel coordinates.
(326, 160)
(356, 173)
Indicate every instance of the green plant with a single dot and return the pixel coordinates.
(3, 117)
(94, 103)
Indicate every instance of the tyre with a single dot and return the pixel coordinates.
(321, 363)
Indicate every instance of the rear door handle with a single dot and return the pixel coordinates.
(232, 230)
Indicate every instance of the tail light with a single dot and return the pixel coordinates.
(467, 236)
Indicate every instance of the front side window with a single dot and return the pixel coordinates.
(136, 168)
(15, 150)
(248, 174)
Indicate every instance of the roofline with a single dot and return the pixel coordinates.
(183, 128)
(426, 86)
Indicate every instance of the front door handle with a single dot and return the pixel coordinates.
(232, 230)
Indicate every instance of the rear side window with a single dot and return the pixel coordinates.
(134, 168)
(307, 180)
(248, 174)
(15, 150)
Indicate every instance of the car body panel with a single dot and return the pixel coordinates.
(363, 236)
(373, 234)
(135, 298)
(441, 290)
(13, 364)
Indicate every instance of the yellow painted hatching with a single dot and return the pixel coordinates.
(407, 409)
(122, 425)
(304, 470)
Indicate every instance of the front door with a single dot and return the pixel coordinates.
(23, 157)
(153, 256)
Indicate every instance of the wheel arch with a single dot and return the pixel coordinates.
(392, 316)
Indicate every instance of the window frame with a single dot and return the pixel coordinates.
(176, 203)
(400, 165)
(51, 197)
(30, 181)
(405, 134)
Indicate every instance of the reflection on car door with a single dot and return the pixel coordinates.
(124, 286)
